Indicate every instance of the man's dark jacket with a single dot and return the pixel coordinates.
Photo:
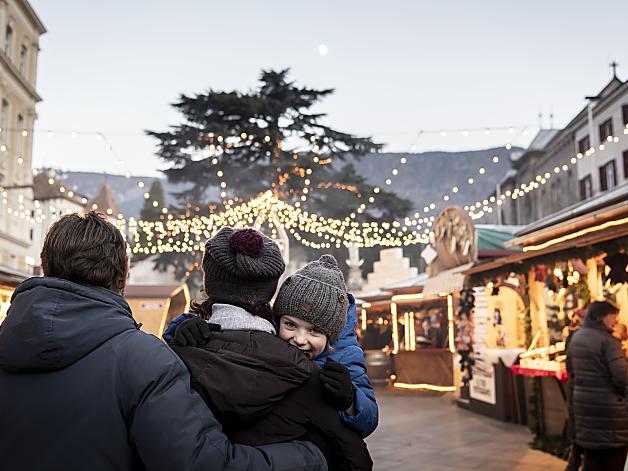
(265, 391)
(83, 388)
(597, 368)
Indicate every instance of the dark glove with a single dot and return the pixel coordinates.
(193, 332)
(337, 384)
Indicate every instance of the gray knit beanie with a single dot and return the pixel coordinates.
(241, 266)
(316, 294)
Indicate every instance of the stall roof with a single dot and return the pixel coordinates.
(151, 291)
(494, 237)
(414, 282)
(10, 277)
(446, 281)
(586, 230)
(607, 200)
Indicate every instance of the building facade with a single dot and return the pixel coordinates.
(585, 158)
(549, 149)
(601, 141)
(20, 29)
(53, 199)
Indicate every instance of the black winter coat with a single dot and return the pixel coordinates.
(597, 368)
(267, 391)
(83, 388)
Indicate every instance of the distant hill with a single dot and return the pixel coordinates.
(423, 179)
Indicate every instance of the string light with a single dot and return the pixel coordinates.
(526, 188)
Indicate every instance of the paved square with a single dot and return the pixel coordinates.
(428, 432)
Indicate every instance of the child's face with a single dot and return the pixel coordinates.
(302, 335)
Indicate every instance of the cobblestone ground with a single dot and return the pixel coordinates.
(428, 432)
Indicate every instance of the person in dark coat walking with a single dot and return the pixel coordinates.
(597, 368)
(84, 388)
(263, 389)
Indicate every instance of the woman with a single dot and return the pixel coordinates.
(597, 368)
(263, 389)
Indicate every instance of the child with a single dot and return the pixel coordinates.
(310, 320)
(261, 388)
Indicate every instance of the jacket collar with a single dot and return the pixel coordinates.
(596, 325)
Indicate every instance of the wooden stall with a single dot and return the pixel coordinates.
(154, 306)
(567, 260)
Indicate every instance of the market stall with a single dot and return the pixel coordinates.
(375, 333)
(567, 260)
(155, 305)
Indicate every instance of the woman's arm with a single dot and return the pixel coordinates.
(616, 361)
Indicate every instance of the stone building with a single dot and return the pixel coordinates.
(601, 135)
(20, 29)
(585, 158)
(52, 199)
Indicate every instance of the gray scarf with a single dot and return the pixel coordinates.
(231, 317)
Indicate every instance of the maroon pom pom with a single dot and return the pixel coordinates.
(247, 241)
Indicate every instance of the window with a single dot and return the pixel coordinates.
(23, 58)
(626, 164)
(4, 118)
(8, 40)
(606, 130)
(584, 145)
(607, 176)
(586, 188)
(624, 113)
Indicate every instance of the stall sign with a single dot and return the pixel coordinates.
(482, 386)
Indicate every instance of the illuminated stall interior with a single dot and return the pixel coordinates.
(9, 279)
(567, 260)
(422, 342)
(154, 306)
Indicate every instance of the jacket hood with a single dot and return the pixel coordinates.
(245, 373)
(52, 323)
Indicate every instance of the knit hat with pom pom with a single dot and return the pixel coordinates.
(241, 266)
(316, 294)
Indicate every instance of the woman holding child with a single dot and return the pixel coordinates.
(254, 366)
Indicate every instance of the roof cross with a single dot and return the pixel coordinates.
(614, 65)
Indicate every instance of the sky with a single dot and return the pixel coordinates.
(397, 67)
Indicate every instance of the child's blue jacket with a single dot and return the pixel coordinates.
(346, 351)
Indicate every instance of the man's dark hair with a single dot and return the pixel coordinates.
(598, 309)
(85, 249)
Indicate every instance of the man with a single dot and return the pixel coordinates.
(83, 388)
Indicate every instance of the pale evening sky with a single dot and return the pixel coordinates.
(397, 67)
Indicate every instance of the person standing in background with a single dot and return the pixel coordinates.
(597, 368)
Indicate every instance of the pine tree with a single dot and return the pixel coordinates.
(151, 211)
(269, 138)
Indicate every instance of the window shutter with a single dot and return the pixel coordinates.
(583, 193)
(613, 174)
(603, 182)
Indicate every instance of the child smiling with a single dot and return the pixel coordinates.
(317, 315)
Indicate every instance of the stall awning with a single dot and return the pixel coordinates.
(446, 281)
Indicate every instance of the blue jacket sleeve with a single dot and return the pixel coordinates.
(169, 332)
(172, 429)
(366, 413)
